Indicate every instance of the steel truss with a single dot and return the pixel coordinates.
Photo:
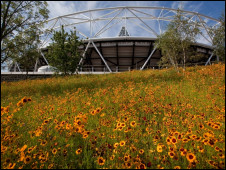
(95, 23)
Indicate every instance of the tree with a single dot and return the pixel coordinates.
(169, 46)
(219, 38)
(16, 16)
(176, 42)
(63, 53)
(27, 54)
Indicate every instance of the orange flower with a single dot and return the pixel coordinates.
(27, 160)
(100, 160)
(98, 110)
(84, 136)
(191, 157)
(168, 141)
(31, 149)
(24, 100)
(177, 167)
(159, 148)
(171, 154)
(128, 165)
(115, 145)
(183, 153)
(133, 123)
(19, 104)
(112, 157)
(122, 143)
(126, 158)
(23, 148)
(54, 151)
(141, 166)
(11, 166)
(44, 142)
(79, 151)
(173, 140)
(141, 151)
(93, 112)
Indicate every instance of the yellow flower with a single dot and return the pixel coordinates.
(191, 157)
(27, 160)
(100, 160)
(115, 145)
(122, 143)
(112, 157)
(128, 165)
(141, 151)
(31, 149)
(22, 156)
(44, 142)
(23, 148)
(126, 158)
(79, 151)
(93, 112)
(171, 154)
(50, 166)
(84, 136)
(98, 110)
(168, 141)
(54, 151)
(173, 140)
(177, 167)
(19, 104)
(159, 148)
(221, 155)
(133, 123)
(24, 100)
(11, 166)
(141, 166)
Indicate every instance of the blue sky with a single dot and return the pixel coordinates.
(209, 8)
(58, 8)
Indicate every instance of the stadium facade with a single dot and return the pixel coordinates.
(119, 43)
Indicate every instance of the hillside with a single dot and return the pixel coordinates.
(138, 119)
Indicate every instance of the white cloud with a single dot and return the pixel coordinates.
(195, 8)
(202, 40)
(91, 4)
(58, 8)
(179, 4)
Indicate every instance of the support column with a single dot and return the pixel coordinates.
(133, 54)
(102, 63)
(101, 57)
(148, 59)
(14, 66)
(18, 67)
(83, 55)
(117, 53)
(44, 58)
(208, 61)
(149, 51)
(35, 69)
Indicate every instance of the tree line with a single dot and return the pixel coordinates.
(20, 38)
(181, 33)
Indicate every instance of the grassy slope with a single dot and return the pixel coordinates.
(165, 98)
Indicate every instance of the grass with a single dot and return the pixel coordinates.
(139, 119)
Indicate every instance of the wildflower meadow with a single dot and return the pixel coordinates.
(152, 119)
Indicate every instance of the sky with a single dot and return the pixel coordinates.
(212, 9)
(209, 8)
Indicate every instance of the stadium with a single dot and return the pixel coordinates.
(122, 38)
